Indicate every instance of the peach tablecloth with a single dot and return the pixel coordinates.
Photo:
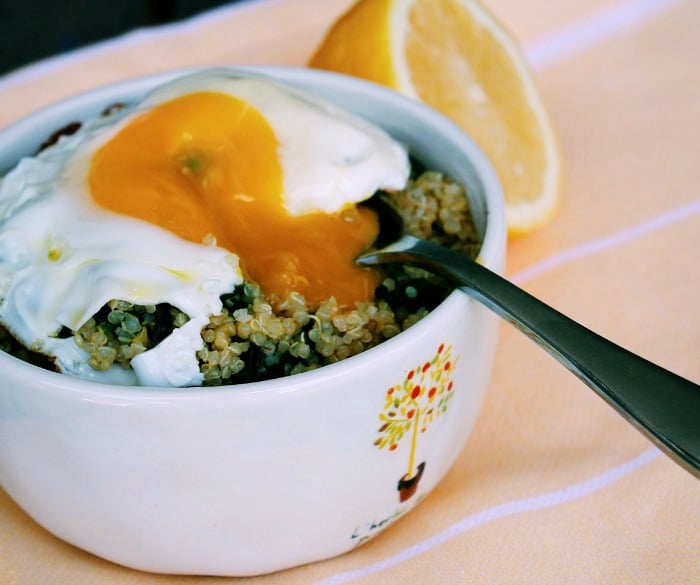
(553, 487)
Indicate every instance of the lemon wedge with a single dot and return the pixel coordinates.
(455, 56)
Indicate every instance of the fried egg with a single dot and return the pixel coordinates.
(209, 180)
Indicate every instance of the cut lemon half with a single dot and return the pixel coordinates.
(456, 57)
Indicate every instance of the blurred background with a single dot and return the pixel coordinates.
(31, 30)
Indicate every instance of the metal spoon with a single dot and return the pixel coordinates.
(662, 405)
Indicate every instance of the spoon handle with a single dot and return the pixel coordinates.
(661, 404)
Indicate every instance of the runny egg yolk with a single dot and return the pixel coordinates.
(206, 164)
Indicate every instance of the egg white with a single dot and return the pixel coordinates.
(62, 257)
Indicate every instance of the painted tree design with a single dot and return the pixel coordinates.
(412, 405)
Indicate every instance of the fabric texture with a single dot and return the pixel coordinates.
(553, 486)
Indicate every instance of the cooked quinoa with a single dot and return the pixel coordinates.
(250, 341)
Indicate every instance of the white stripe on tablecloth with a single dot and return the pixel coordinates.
(547, 500)
(597, 28)
(666, 219)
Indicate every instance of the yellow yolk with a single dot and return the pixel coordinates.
(206, 164)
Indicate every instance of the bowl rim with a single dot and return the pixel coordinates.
(491, 252)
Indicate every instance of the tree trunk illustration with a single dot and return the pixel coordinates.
(411, 406)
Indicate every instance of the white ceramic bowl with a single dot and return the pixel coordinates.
(249, 479)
